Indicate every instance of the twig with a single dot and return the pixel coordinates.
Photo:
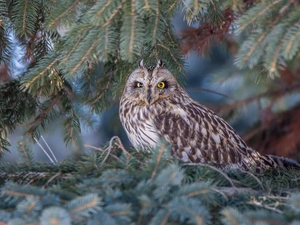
(278, 92)
(43, 113)
(22, 147)
(120, 145)
(51, 179)
(234, 191)
(108, 149)
(101, 150)
(160, 153)
(49, 149)
(211, 91)
(44, 151)
(220, 192)
(256, 203)
(105, 89)
(93, 147)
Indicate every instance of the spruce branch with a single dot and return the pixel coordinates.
(107, 46)
(57, 214)
(46, 107)
(291, 42)
(256, 13)
(69, 191)
(62, 11)
(251, 50)
(84, 205)
(26, 154)
(103, 13)
(35, 77)
(74, 47)
(29, 206)
(190, 210)
(161, 217)
(273, 58)
(233, 216)
(213, 168)
(71, 121)
(132, 34)
(78, 62)
(5, 41)
(17, 106)
(25, 15)
(269, 36)
(171, 8)
(101, 93)
(194, 9)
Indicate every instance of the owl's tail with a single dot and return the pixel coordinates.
(284, 162)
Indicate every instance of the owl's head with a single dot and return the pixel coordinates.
(147, 85)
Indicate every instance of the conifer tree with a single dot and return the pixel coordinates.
(79, 53)
(116, 186)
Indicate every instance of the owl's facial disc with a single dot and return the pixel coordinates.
(149, 92)
(149, 85)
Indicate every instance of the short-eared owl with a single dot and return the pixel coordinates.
(154, 107)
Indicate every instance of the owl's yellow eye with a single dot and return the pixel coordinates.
(138, 84)
(161, 85)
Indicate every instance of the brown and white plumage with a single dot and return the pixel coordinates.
(154, 107)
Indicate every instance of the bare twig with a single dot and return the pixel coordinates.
(49, 149)
(108, 149)
(120, 145)
(93, 147)
(275, 93)
(211, 91)
(101, 150)
(44, 150)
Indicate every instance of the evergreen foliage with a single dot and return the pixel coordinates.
(91, 41)
(120, 187)
(95, 44)
(272, 28)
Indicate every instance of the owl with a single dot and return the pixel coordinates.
(155, 107)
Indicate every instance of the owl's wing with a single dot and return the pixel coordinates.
(199, 135)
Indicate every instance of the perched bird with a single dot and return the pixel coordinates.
(155, 107)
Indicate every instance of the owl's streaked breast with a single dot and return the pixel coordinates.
(139, 126)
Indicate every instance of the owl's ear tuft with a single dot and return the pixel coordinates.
(141, 63)
(159, 64)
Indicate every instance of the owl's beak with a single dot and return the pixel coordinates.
(149, 96)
